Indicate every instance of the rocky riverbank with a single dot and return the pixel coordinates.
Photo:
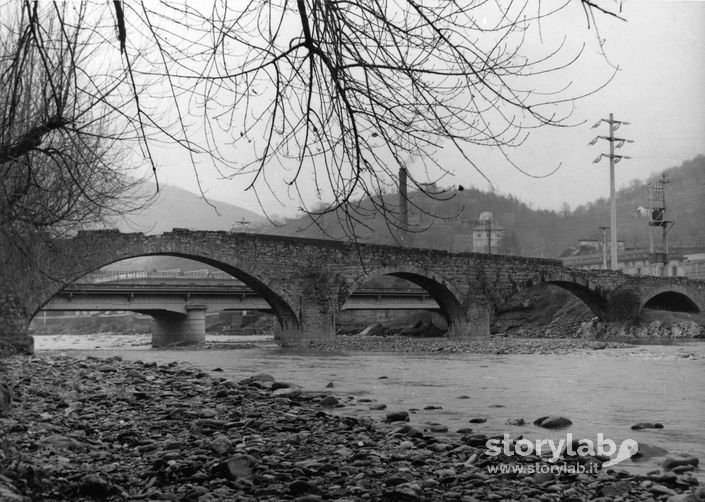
(489, 345)
(656, 329)
(108, 429)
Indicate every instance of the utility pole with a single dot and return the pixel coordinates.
(614, 159)
(604, 247)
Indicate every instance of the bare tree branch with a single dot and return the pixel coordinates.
(328, 98)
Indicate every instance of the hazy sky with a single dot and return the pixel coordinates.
(659, 89)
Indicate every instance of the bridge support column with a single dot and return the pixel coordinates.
(175, 329)
(622, 306)
(14, 323)
(316, 327)
(476, 324)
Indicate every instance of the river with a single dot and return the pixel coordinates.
(605, 391)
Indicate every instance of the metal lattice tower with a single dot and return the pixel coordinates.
(659, 217)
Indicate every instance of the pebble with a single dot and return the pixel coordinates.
(94, 486)
(329, 402)
(647, 425)
(220, 444)
(670, 462)
(286, 392)
(553, 422)
(398, 416)
(237, 467)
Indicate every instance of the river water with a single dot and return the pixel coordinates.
(604, 391)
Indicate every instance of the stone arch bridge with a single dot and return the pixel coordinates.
(306, 282)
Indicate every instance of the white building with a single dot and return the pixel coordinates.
(487, 235)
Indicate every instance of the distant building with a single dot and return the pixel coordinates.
(596, 244)
(487, 235)
(682, 262)
(590, 247)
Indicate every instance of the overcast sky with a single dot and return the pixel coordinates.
(659, 89)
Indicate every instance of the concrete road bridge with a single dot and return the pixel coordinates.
(179, 303)
(306, 282)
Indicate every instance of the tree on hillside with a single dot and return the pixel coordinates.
(330, 97)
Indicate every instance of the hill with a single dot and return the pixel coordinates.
(529, 232)
(685, 197)
(179, 208)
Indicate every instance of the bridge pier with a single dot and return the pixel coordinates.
(476, 324)
(316, 326)
(178, 329)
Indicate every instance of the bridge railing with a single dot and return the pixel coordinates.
(102, 276)
(141, 281)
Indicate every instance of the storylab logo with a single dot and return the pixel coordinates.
(568, 447)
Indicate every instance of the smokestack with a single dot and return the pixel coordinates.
(403, 200)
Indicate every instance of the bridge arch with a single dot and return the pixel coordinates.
(591, 298)
(576, 283)
(251, 276)
(671, 298)
(446, 295)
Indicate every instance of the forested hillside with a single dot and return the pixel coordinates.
(532, 232)
(529, 232)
